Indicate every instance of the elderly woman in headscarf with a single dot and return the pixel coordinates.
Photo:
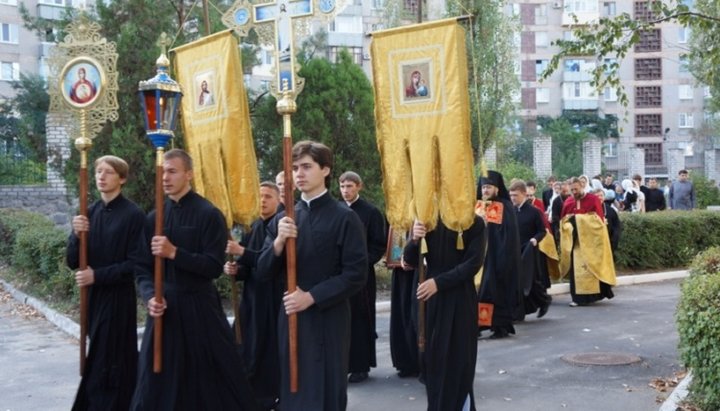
(632, 201)
(584, 183)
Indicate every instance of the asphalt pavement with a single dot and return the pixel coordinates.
(39, 363)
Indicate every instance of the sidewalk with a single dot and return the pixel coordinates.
(524, 372)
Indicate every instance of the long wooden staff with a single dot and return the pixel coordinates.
(83, 145)
(286, 107)
(234, 297)
(421, 303)
(159, 211)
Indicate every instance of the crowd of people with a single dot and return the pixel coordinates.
(485, 278)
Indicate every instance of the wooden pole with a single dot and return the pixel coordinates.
(234, 298)
(159, 208)
(206, 16)
(286, 107)
(421, 303)
(83, 145)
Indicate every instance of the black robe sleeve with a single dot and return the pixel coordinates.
(472, 260)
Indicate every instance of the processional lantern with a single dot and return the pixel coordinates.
(160, 100)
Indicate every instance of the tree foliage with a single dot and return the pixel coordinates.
(336, 109)
(492, 79)
(610, 40)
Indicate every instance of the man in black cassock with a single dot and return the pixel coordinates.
(362, 304)
(534, 277)
(260, 303)
(113, 225)
(612, 220)
(201, 368)
(451, 311)
(331, 267)
(403, 312)
(499, 287)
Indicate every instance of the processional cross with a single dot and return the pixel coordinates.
(242, 17)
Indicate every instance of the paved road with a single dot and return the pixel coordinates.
(524, 372)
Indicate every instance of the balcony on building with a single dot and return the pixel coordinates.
(579, 12)
(52, 10)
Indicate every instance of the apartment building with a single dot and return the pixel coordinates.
(666, 110)
(22, 51)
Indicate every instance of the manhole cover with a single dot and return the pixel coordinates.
(601, 358)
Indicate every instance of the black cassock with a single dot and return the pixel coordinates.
(201, 367)
(111, 367)
(534, 277)
(614, 226)
(258, 319)
(451, 314)
(500, 286)
(403, 322)
(362, 304)
(332, 266)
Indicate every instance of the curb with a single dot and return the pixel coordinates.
(678, 394)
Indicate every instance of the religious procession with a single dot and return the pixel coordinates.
(472, 252)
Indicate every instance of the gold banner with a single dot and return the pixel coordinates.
(423, 124)
(216, 124)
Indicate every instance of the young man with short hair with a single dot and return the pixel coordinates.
(331, 266)
(113, 225)
(362, 304)
(682, 193)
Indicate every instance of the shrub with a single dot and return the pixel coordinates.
(36, 248)
(666, 239)
(698, 320)
(707, 262)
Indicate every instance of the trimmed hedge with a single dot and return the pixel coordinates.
(665, 239)
(36, 248)
(698, 320)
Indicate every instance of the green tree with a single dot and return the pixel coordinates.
(492, 78)
(567, 147)
(336, 108)
(135, 26)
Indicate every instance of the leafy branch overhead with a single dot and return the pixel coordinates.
(610, 39)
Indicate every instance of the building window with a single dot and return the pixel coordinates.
(609, 8)
(43, 69)
(540, 66)
(610, 149)
(643, 11)
(610, 94)
(8, 33)
(265, 85)
(355, 53)
(569, 35)
(653, 153)
(648, 125)
(53, 2)
(578, 90)
(542, 95)
(650, 40)
(648, 96)
(268, 57)
(9, 71)
(648, 69)
(541, 39)
(685, 120)
(685, 92)
(684, 64)
(541, 14)
(9, 2)
(707, 93)
(683, 35)
(610, 65)
(573, 65)
(378, 4)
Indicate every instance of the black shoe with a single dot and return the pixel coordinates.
(358, 377)
(543, 310)
(407, 374)
(500, 333)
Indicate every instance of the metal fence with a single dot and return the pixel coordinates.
(17, 166)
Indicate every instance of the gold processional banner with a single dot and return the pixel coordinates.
(423, 124)
(216, 124)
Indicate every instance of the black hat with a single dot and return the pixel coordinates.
(493, 178)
